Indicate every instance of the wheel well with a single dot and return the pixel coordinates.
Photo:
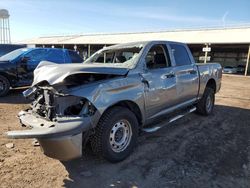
(211, 84)
(132, 106)
(5, 76)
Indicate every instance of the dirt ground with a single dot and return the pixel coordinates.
(195, 151)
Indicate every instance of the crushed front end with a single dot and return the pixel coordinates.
(57, 120)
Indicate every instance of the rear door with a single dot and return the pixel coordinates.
(186, 72)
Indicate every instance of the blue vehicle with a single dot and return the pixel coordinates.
(16, 67)
(7, 48)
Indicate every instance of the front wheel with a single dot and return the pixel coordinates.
(116, 134)
(4, 86)
(206, 104)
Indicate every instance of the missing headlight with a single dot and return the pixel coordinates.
(83, 108)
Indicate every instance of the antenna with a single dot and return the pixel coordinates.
(4, 27)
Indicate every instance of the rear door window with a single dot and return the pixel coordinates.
(56, 56)
(180, 55)
(75, 58)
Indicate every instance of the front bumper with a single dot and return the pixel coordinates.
(61, 139)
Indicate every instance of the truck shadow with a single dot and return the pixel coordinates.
(195, 151)
(15, 96)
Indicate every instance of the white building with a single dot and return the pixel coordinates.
(229, 46)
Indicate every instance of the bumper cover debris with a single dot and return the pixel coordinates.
(61, 139)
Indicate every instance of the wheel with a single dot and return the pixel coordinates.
(206, 104)
(116, 134)
(4, 86)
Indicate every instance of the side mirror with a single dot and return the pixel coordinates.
(25, 59)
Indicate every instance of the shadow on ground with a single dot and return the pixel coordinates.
(195, 151)
(15, 96)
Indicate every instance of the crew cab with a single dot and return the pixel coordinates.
(16, 67)
(118, 92)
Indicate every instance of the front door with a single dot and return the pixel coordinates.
(160, 81)
(27, 64)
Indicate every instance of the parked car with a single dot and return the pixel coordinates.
(16, 67)
(241, 68)
(116, 93)
(6, 48)
(229, 70)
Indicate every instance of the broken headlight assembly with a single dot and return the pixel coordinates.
(50, 105)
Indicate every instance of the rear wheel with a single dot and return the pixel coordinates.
(4, 86)
(206, 104)
(116, 134)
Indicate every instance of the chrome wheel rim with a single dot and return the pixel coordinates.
(120, 136)
(209, 103)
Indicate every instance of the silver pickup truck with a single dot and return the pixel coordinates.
(114, 95)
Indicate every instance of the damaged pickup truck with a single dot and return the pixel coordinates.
(117, 93)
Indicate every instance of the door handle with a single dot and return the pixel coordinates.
(169, 75)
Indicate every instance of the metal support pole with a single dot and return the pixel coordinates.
(1, 39)
(105, 55)
(248, 57)
(3, 32)
(205, 60)
(89, 50)
(9, 30)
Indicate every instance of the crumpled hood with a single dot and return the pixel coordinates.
(56, 73)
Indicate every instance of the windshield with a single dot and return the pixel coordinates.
(122, 57)
(12, 55)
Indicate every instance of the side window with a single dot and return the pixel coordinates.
(180, 55)
(128, 55)
(56, 56)
(105, 57)
(75, 58)
(117, 56)
(37, 55)
(157, 58)
(34, 58)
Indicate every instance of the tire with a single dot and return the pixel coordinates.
(4, 86)
(116, 134)
(206, 103)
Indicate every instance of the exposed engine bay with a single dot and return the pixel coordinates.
(52, 102)
(50, 105)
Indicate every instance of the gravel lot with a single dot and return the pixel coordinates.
(195, 151)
